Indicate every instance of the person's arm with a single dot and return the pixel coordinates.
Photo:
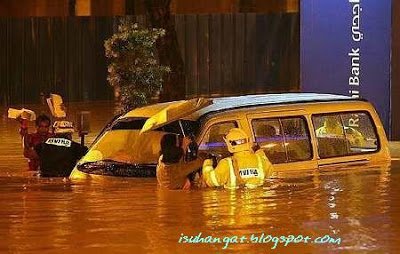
(267, 165)
(23, 129)
(190, 149)
(29, 150)
(174, 176)
(191, 166)
(218, 176)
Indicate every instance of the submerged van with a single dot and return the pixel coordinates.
(297, 131)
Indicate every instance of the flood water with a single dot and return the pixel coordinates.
(358, 206)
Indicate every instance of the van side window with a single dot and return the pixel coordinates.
(344, 134)
(283, 140)
(297, 137)
(330, 135)
(360, 133)
(213, 141)
(268, 135)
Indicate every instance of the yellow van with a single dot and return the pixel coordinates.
(297, 131)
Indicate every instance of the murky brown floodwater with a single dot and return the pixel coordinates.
(360, 206)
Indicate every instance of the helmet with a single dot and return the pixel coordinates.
(63, 127)
(237, 141)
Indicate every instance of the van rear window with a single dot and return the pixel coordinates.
(342, 134)
(283, 139)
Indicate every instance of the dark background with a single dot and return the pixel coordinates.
(224, 54)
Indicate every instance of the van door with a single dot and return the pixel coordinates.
(285, 138)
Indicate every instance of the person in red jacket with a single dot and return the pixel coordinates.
(30, 140)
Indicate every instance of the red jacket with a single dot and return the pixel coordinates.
(29, 141)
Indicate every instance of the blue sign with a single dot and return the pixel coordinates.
(345, 49)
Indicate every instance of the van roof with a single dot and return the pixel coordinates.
(233, 102)
(224, 103)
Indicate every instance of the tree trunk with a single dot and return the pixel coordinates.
(159, 15)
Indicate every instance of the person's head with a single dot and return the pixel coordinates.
(171, 149)
(63, 129)
(331, 121)
(266, 131)
(237, 141)
(168, 140)
(42, 124)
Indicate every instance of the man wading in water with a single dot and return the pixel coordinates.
(59, 154)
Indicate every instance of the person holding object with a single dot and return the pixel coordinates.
(30, 140)
(243, 168)
(178, 162)
(59, 154)
(56, 106)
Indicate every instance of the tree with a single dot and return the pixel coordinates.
(159, 14)
(134, 71)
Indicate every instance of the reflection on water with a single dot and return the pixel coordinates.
(359, 205)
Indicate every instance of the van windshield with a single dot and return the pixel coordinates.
(122, 142)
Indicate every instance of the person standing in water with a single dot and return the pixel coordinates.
(243, 168)
(30, 140)
(177, 162)
(59, 154)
